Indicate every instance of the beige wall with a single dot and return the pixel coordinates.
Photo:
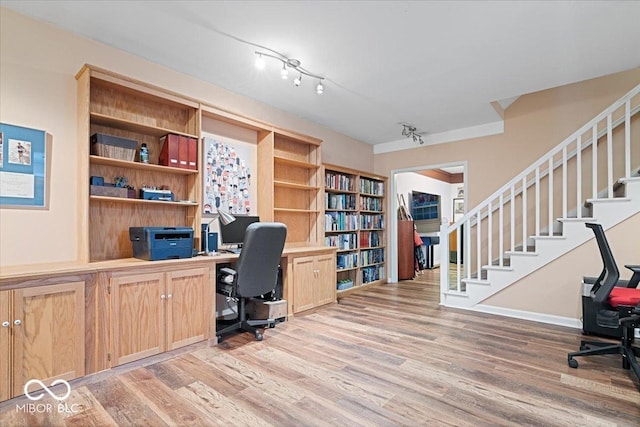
(38, 64)
(534, 124)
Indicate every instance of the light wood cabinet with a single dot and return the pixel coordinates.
(313, 281)
(355, 224)
(6, 321)
(157, 312)
(42, 335)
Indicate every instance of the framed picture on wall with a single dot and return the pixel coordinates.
(458, 208)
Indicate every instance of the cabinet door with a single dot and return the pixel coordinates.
(304, 278)
(137, 316)
(48, 334)
(325, 284)
(186, 307)
(6, 322)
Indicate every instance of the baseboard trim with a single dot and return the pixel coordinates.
(529, 315)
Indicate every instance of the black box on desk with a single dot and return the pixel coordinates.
(157, 243)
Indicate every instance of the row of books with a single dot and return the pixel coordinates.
(342, 241)
(339, 221)
(178, 151)
(349, 260)
(371, 256)
(340, 201)
(369, 239)
(371, 221)
(371, 274)
(371, 203)
(338, 181)
(371, 187)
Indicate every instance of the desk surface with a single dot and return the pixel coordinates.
(34, 271)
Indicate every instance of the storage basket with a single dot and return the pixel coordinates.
(113, 147)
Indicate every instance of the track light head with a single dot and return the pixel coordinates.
(284, 73)
(260, 62)
(320, 88)
(297, 80)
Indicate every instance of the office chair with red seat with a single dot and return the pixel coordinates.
(617, 306)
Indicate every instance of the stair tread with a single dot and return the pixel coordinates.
(608, 199)
(528, 253)
(476, 281)
(497, 267)
(574, 219)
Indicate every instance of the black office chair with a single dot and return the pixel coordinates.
(617, 306)
(255, 274)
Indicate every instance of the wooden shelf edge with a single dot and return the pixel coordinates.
(285, 184)
(99, 160)
(141, 201)
(105, 119)
(301, 211)
(291, 162)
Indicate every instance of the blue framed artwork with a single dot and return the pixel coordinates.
(23, 167)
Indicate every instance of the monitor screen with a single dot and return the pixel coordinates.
(233, 233)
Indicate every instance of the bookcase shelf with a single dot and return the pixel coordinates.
(113, 105)
(356, 200)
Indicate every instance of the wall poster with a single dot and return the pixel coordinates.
(23, 167)
(228, 183)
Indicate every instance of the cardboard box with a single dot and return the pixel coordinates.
(99, 190)
(259, 309)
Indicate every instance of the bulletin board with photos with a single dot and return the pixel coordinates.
(23, 167)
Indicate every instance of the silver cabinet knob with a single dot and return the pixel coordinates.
(170, 296)
(6, 324)
(162, 296)
(17, 322)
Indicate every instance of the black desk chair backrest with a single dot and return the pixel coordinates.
(257, 266)
(610, 274)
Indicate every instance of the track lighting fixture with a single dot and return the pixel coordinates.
(289, 63)
(410, 132)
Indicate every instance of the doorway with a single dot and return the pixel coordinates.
(447, 180)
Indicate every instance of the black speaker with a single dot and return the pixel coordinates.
(212, 238)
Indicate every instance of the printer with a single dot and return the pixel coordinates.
(158, 243)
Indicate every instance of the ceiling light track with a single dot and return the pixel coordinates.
(289, 63)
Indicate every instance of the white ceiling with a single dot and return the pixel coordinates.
(435, 65)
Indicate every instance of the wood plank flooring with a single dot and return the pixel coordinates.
(384, 356)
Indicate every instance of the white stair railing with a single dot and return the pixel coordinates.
(549, 188)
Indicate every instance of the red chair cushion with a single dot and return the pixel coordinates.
(624, 296)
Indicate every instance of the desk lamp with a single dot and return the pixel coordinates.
(224, 218)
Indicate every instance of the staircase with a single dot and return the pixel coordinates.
(539, 215)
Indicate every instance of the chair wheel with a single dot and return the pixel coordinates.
(258, 336)
(584, 347)
(573, 363)
(272, 325)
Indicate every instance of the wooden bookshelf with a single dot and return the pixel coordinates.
(355, 223)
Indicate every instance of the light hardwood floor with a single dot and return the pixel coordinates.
(385, 356)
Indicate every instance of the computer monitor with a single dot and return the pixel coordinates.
(233, 233)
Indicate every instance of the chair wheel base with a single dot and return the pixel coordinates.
(573, 363)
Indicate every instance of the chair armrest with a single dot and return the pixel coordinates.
(635, 279)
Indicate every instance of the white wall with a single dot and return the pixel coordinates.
(407, 182)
